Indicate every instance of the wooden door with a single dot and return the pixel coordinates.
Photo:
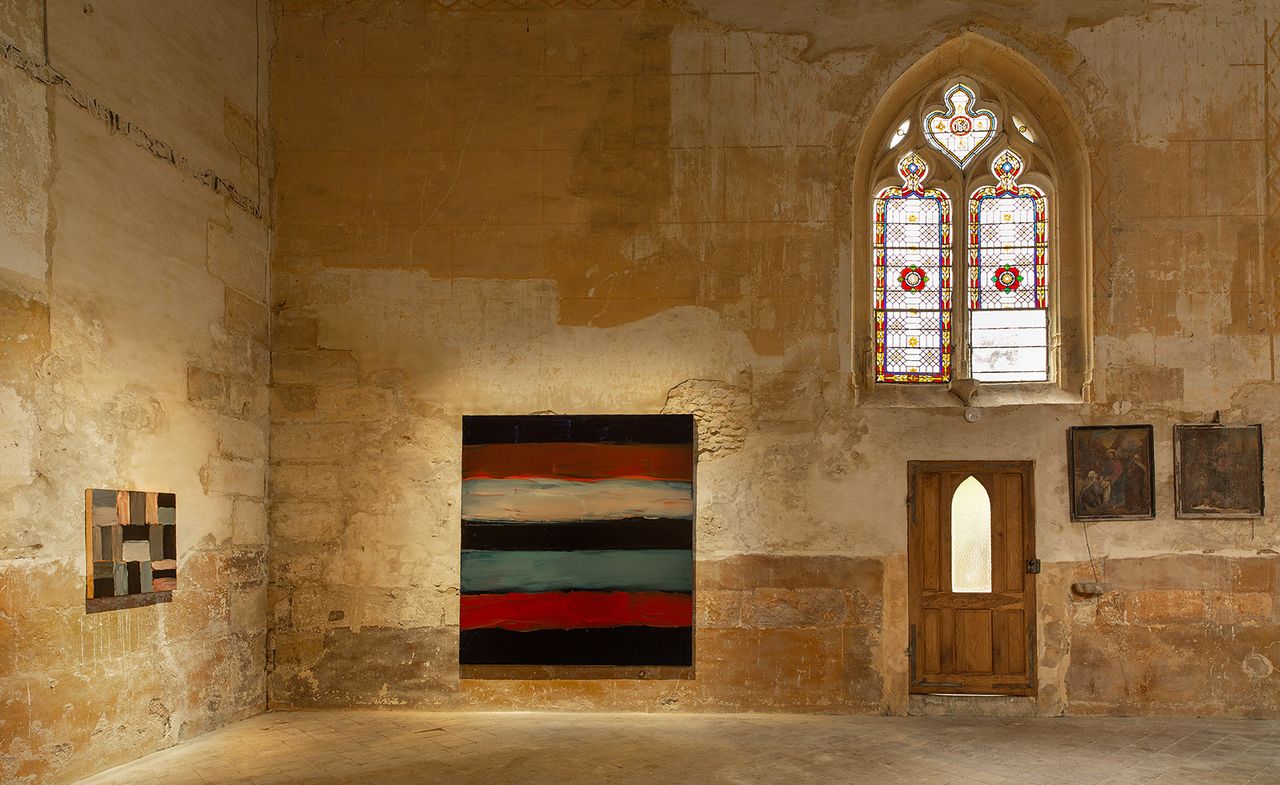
(973, 624)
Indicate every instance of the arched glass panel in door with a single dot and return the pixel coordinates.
(971, 538)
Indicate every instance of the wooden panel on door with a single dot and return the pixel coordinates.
(964, 637)
(973, 641)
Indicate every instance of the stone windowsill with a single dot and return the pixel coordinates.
(892, 396)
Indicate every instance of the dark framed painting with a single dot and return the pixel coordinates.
(1217, 471)
(577, 540)
(1112, 472)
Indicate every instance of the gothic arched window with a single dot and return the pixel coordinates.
(975, 201)
(993, 314)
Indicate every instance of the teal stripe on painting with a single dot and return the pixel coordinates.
(532, 571)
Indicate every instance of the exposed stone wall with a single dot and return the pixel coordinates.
(133, 354)
(644, 206)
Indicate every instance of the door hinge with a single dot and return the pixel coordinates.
(1033, 566)
(911, 652)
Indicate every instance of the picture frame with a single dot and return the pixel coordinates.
(1111, 472)
(1217, 471)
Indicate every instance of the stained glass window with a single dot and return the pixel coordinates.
(899, 134)
(912, 290)
(1023, 129)
(961, 130)
(1008, 272)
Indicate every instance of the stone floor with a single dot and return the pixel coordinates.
(407, 748)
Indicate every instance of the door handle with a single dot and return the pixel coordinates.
(1033, 566)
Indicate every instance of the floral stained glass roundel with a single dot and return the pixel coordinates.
(912, 290)
(962, 129)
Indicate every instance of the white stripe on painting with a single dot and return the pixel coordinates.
(569, 500)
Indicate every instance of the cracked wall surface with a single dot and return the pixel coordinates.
(133, 354)
(521, 207)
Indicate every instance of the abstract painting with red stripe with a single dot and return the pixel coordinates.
(577, 540)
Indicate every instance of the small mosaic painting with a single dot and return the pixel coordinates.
(131, 542)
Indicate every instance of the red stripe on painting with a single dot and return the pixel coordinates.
(558, 610)
(575, 461)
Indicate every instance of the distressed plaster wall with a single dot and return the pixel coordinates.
(133, 333)
(644, 206)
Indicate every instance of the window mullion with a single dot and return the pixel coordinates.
(960, 361)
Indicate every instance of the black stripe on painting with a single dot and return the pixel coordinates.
(135, 533)
(104, 587)
(624, 534)
(590, 428)
(135, 577)
(598, 646)
(164, 574)
(170, 545)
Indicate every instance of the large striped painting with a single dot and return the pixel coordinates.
(577, 540)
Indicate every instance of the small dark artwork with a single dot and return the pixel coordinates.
(1218, 471)
(1112, 472)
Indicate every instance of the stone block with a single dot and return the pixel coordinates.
(238, 261)
(313, 365)
(1178, 571)
(353, 401)
(197, 615)
(312, 442)
(306, 481)
(248, 611)
(292, 400)
(248, 522)
(1167, 606)
(294, 331)
(236, 478)
(206, 387)
(312, 522)
(1147, 384)
(243, 316)
(320, 287)
(718, 608)
(794, 608)
(248, 398)
(241, 439)
(1243, 608)
(1256, 575)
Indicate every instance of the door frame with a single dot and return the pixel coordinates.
(1027, 469)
